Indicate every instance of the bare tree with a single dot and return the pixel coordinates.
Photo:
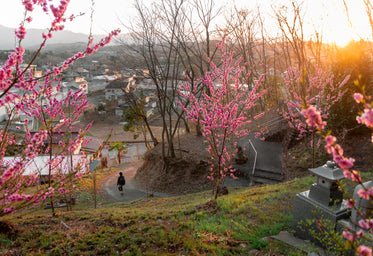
(173, 37)
(196, 44)
(290, 21)
(368, 9)
(241, 27)
(156, 32)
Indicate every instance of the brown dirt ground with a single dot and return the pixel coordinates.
(104, 125)
(188, 173)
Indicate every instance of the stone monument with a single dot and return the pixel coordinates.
(362, 210)
(323, 201)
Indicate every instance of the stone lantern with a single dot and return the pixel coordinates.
(326, 191)
(323, 201)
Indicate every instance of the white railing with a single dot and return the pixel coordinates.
(273, 121)
(254, 165)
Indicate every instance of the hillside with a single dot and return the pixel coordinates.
(34, 38)
(237, 224)
(185, 225)
(188, 173)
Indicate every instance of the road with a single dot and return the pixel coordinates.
(131, 193)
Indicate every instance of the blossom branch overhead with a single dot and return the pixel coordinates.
(38, 98)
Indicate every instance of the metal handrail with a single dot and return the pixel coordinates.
(254, 165)
(273, 122)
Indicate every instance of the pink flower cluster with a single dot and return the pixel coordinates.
(90, 49)
(366, 117)
(358, 97)
(20, 32)
(313, 117)
(320, 90)
(222, 112)
(36, 98)
(364, 250)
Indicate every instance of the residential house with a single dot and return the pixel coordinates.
(40, 165)
(82, 84)
(92, 145)
(62, 133)
(119, 110)
(117, 88)
(82, 71)
(19, 119)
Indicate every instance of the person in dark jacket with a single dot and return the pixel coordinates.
(121, 182)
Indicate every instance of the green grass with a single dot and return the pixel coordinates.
(183, 225)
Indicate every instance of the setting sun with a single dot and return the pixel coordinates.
(338, 23)
(341, 36)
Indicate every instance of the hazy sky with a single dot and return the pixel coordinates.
(105, 15)
(327, 15)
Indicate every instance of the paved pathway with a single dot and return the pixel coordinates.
(129, 166)
(130, 193)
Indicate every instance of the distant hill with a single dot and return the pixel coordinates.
(33, 38)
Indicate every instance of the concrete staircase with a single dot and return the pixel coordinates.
(264, 161)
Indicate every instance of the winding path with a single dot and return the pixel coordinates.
(111, 192)
(129, 167)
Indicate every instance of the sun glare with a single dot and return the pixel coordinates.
(331, 20)
(342, 40)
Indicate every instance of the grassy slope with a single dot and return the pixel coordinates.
(183, 225)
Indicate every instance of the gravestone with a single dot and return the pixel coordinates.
(364, 205)
(363, 210)
(324, 201)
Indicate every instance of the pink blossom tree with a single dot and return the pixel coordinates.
(223, 113)
(365, 224)
(39, 98)
(315, 88)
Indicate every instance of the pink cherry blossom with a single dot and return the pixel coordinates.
(365, 224)
(363, 194)
(348, 235)
(345, 163)
(351, 203)
(358, 97)
(330, 140)
(36, 99)
(366, 118)
(223, 121)
(364, 250)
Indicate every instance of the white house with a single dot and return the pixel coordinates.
(40, 165)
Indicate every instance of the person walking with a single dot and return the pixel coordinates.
(121, 182)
